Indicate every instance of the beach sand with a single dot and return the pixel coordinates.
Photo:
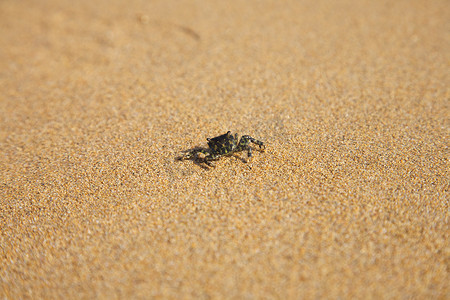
(350, 199)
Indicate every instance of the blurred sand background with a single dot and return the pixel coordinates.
(350, 199)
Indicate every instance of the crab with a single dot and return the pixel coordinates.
(224, 145)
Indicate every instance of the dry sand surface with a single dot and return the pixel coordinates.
(350, 200)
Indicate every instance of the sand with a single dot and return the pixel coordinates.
(350, 200)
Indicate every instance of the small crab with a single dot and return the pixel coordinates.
(224, 145)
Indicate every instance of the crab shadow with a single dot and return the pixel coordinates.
(194, 158)
(199, 161)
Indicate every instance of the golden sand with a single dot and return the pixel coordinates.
(350, 200)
